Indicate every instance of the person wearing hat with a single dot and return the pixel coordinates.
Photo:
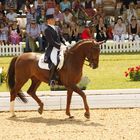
(54, 40)
(11, 15)
(33, 34)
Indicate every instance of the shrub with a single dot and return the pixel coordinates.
(82, 84)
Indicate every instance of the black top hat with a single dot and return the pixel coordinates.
(49, 16)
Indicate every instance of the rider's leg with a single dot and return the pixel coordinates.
(52, 75)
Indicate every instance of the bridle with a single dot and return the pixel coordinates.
(90, 58)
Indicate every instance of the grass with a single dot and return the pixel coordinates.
(109, 75)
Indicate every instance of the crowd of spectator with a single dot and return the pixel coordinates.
(100, 19)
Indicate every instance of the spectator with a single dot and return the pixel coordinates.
(101, 30)
(131, 11)
(138, 10)
(70, 24)
(33, 13)
(65, 4)
(50, 7)
(1, 8)
(77, 10)
(126, 3)
(58, 15)
(88, 6)
(44, 42)
(10, 3)
(38, 5)
(28, 15)
(87, 33)
(33, 34)
(41, 18)
(3, 33)
(133, 29)
(20, 4)
(98, 2)
(11, 16)
(119, 32)
(2, 17)
(15, 33)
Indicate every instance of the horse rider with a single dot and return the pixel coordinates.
(54, 39)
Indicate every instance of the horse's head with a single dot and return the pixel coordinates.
(93, 54)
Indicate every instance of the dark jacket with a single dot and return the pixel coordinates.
(53, 39)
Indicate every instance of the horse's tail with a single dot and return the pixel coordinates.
(11, 79)
(11, 74)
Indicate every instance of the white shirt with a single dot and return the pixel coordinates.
(11, 16)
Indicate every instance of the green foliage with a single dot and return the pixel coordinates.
(3, 77)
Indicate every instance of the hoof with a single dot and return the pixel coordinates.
(71, 117)
(87, 115)
(40, 111)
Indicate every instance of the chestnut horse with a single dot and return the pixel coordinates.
(26, 67)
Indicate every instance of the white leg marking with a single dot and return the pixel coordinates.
(12, 105)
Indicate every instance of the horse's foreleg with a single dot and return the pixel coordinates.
(32, 92)
(82, 94)
(69, 95)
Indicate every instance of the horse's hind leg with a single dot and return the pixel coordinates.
(13, 93)
(32, 92)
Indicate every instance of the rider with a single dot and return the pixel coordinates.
(54, 39)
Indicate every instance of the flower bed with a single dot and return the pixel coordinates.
(133, 73)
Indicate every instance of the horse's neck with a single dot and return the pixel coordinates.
(77, 57)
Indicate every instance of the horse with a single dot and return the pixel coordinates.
(25, 67)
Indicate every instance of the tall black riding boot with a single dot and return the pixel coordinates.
(52, 75)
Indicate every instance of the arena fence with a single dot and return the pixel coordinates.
(11, 50)
(108, 47)
(120, 47)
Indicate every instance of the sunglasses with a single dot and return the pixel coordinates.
(133, 19)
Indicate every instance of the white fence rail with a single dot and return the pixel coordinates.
(120, 47)
(108, 47)
(11, 50)
(56, 100)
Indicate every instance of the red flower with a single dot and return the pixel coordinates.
(126, 74)
(131, 69)
(137, 68)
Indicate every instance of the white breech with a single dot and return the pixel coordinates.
(135, 37)
(119, 38)
(12, 105)
(54, 55)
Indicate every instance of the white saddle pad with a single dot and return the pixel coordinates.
(44, 65)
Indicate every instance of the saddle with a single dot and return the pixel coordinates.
(44, 65)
